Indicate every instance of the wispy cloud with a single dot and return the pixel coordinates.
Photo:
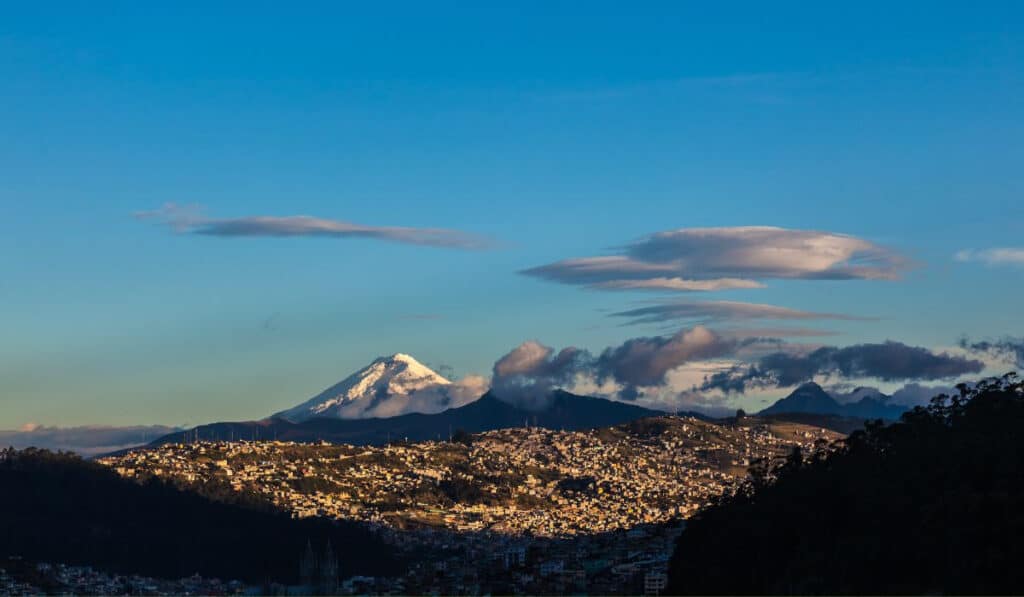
(706, 259)
(996, 256)
(189, 219)
(720, 311)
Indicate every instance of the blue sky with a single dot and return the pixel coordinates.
(555, 130)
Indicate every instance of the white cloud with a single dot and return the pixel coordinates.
(706, 259)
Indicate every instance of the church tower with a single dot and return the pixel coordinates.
(308, 566)
(329, 571)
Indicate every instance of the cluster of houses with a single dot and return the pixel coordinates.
(618, 563)
(62, 579)
(517, 481)
(11, 584)
(494, 497)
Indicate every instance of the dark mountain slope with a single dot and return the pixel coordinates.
(811, 398)
(563, 411)
(933, 504)
(874, 408)
(808, 398)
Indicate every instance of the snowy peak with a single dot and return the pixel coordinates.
(389, 386)
(396, 374)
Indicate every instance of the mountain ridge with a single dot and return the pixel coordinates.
(811, 398)
(562, 410)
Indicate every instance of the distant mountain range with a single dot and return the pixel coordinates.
(810, 398)
(562, 411)
(397, 398)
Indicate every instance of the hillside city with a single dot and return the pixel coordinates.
(46, 578)
(511, 510)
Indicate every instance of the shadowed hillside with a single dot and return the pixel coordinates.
(56, 507)
(931, 504)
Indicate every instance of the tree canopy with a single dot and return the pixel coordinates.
(932, 503)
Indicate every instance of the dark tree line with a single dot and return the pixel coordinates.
(57, 507)
(931, 504)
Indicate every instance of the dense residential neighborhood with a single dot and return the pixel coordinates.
(45, 578)
(523, 509)
(523, 481)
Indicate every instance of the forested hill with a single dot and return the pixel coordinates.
(56, 507)
(931, 504)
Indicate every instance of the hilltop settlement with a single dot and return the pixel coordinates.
(511, 510)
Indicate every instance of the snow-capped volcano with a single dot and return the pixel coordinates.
(387, 387)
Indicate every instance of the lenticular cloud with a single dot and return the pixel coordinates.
(708, 259)
(190, 220)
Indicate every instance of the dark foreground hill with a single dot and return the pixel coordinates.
(56, 507)
(931, 504)
(563, 411)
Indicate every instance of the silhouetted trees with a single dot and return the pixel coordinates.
(931, 504)
(461, 436)
(56, 507)
(458, 489)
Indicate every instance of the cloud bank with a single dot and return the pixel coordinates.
(887, 361)
(528, 373)
(87, 441)
(915, 394)
(1009, 350)
(646, 361)
(189, 220)
(662, 368)
(707, 259)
